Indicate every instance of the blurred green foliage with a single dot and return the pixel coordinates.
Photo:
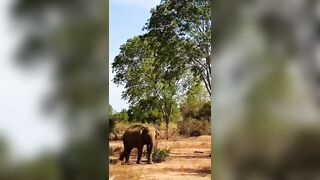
(72, 35)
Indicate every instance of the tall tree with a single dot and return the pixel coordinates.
(188, 22)
(147, 74)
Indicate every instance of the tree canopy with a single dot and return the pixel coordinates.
(159, 67)
(185, 27)
(148, 76)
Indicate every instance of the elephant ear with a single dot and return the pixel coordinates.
(157, 133)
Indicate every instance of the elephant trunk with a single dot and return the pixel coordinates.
(154, 144)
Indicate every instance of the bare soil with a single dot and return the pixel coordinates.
(189, 159)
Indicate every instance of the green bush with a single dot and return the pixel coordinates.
(160, 155)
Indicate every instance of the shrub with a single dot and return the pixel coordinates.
(194, 127)
(117, 131)
(172, 130)
(160, 155)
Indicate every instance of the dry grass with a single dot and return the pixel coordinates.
(121, 172)
(199, 170)
(138, 171)
(191, 142)
(184, 161)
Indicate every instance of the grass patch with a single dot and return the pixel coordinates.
(160, 155)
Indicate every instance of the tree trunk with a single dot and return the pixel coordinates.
(167, 127)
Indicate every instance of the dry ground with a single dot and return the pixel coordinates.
(189, 159)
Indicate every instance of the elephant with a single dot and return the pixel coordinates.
(136, 137)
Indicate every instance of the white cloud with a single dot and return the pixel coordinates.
(136, 3)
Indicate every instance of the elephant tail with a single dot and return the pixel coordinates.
(121, 156)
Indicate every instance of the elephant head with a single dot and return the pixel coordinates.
(150, 136)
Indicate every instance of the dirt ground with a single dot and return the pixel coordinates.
(189, 159)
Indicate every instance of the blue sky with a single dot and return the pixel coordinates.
(126, 19)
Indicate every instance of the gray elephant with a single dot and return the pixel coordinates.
(136, 137)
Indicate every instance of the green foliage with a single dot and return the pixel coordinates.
(205, 111)
(197, 104)
(160, 155)
(110, 111)
(156, 68)
(112, 123)
(115, 118)
(153, 85)
(199, 112)
(184, 27)
(145, 73)
(121, 116)
(146, 111)
(196, 113)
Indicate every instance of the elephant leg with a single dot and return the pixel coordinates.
(122, 156)
(127, 154)
(139, 154)
(149, 151)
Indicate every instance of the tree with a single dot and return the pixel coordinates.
(121, 116)
(114, 119)
(110, 111)
(145, 111)
(188, 24)
(147, 75)
(197, 104)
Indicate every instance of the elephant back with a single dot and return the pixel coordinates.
(134, 129)
(133, 134)
(139, 135)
